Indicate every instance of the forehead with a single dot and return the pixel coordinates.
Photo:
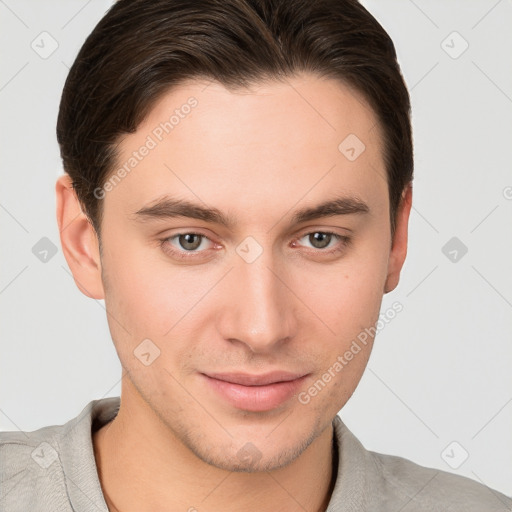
(302, 138)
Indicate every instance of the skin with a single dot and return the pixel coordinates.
(258, 155)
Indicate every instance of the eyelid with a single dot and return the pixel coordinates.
(309, 230)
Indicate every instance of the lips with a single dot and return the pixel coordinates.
(246, 379)
(256, 393)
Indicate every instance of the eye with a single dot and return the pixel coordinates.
(193, 245)
(326, 241)
(189, 241)
(185, 245)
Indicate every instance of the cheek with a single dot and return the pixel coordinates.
(347, 296)
(148, 298)
(138, 298)
(357, 296)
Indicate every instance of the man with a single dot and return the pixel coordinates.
(238, 191)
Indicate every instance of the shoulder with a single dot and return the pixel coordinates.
(31, 475)
(53, 468)
(422, 488)
(377, 482)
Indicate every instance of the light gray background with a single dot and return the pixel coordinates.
(440, 371)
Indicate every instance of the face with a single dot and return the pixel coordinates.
(256, 280)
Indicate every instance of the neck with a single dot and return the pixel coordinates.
(142, 467)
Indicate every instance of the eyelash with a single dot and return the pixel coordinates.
(344, 240)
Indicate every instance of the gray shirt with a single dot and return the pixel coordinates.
(53, 470)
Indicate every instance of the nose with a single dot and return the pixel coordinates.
(260, 310)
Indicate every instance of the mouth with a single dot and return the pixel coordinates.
(255, 393)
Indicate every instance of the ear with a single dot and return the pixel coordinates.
(78, 239)
(399, 243)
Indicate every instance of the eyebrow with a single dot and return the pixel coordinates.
(168, 207)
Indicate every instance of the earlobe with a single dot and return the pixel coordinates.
(399, 245)
(78, 239)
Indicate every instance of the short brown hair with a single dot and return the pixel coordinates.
(140, 49)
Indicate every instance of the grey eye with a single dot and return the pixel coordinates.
(190, 241)
(319, 239)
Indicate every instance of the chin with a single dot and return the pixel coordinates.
(246, 456)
